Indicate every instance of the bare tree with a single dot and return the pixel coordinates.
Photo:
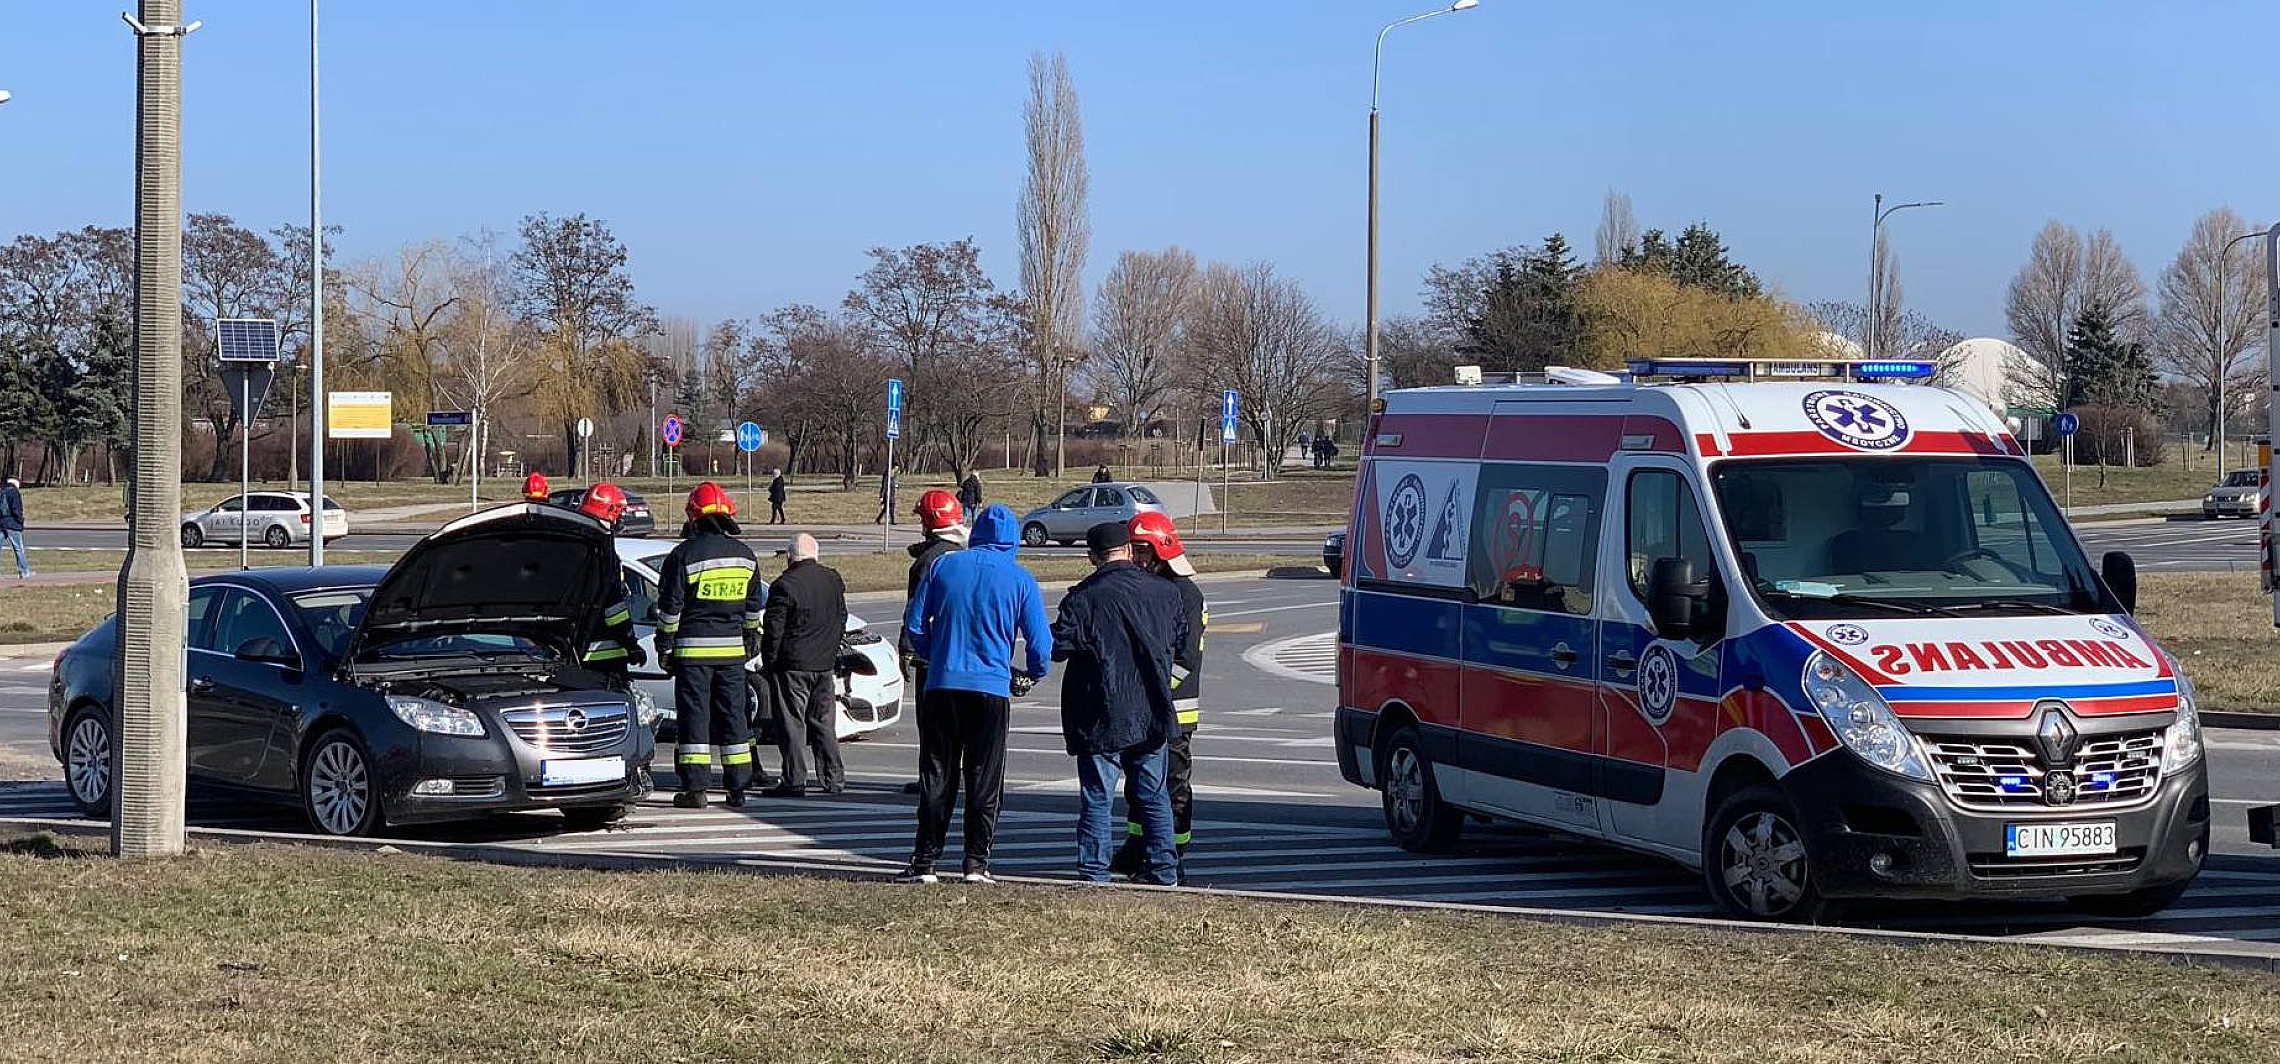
(488, 355)
(1055, 230)
(228, 271)
(2046, 295)
(1136, 331)
(2212, 315)
(403, 306)
(1618, 229)
(1262, 336)
(825, 385)
(1416, 354)
(1883, 334)
(573, 287)
(2111, 280)
(927, 307)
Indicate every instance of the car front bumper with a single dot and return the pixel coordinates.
(1930, 849)
(496, 773)
(2228, 508)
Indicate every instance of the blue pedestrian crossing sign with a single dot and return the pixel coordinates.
(750, 437)
(1227, 416)
(894, 408)
(2065, 424)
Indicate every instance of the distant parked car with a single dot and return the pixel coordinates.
(276, 519)
(1334, 553)
(638, 521)
(2240, 494)
(1065, 520)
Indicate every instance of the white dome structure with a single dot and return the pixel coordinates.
(1983, 368)
(1837, 346)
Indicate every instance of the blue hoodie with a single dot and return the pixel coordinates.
(967, 610)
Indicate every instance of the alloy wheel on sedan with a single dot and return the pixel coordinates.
(277, 538)
(1033, 535)
(193, 537)
(87, 763)
(338, 788)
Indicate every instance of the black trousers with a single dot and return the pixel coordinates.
(1179, 778)
(708, 705)
(960, 729)
(775, 512)
(807, 722)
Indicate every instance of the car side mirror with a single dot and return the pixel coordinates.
(2120, 573)
(266, 650)
(1672, 598)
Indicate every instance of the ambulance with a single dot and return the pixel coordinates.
(1816, 629)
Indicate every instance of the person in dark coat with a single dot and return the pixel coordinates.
(800, 632)
(970, 493)
(886, 495)
(1119, 631)
(778, 490)
(1101, 475)
(12, 524)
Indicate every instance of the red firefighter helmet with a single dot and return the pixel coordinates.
(605, 502)
(534, 487)
(707, 499)
(938, 509)
(1159, 535)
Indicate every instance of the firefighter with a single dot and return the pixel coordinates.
(534, 488)
(709, 599)
(1157, 548)
(613, 650)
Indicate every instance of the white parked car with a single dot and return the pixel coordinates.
(870, 676)
(2240, 494)
(276, 519)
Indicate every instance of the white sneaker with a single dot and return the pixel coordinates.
(979, 875)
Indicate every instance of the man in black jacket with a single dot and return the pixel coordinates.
(800, 633)
(1119, 630)
(777, 492)
(1156, 547)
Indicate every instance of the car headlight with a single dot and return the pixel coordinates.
(1863, 721)
(2182, 746)
(645, 708)
(431, 716)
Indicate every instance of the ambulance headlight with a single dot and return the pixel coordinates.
(1862, 719)
(2182, 746)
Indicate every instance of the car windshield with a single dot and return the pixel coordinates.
(332, 615)
(2240, 478)
(1877, 537)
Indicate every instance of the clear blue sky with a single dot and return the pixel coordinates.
(748, 153)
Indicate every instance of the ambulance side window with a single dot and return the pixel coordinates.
(1662, 521)
(1535, 534)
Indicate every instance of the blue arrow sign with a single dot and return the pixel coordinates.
(2065, 424)
(894, 408)
(749, 438)
(1227, 416)
(671, 430)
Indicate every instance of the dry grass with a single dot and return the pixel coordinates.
(200, 561)
(2219, 625)
(47, 613)
(274, 953)
(2167, 482)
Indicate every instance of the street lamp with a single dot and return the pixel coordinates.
(317, 410)
(1377, 62)
(1876, 234)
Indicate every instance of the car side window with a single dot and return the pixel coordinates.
(1536, 531)
(200, 630)
(1662, 521)
(1146, 496)
(1108, 497)
(275, 503)
(1074, 499)
(244, 618)
(228, 506)
(643, 595)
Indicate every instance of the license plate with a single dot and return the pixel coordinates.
(2058, 840)
(582, 770)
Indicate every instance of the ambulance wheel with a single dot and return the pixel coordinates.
(1415, 815)
(1755, 863)
(2133, 904)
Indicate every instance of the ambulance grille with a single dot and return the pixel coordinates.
(2111, 770)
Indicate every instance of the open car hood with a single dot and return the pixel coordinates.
(527, 570)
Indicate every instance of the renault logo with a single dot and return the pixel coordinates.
(574, 721)
(2057, 735)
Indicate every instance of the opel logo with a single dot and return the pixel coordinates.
(574, 721)
(2058, 788)
(2057, 735)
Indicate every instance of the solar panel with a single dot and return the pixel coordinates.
(247, 339)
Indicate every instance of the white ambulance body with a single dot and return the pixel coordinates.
(1823, 639)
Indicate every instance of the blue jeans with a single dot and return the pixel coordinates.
(14, 539)
(1099, 830)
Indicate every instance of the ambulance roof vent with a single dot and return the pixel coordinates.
(1586, 377)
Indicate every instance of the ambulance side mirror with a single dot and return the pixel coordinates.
(2120, 573)
(1673, 600)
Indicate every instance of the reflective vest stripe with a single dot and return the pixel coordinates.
(696, 567)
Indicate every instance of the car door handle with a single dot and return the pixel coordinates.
(201, 685)
(1622, 661)
(1563, 655)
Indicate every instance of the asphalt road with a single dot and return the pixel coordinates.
(2185, 545)
(1273, 814)
(763, 539)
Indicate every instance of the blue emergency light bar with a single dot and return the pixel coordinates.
(1871, 371)
(1776, 369)
(1663, 367)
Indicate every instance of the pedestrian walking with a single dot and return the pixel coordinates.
(943, 520)
(886, 494)
(1101, 474)
(970, 493)
(969, 607)
(12, 524)
(805, 618)
(1119, 630)
(1156, 547)
(777, 491)
(709, 600)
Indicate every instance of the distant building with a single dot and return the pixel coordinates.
(1992, 371)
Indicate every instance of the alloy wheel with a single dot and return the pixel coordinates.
(1405, 789)
(87, 761)
(1762, 860)
(340, 788)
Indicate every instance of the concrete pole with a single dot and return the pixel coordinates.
(1875, 230)
(154, 587)
(1370, 305)
(2272, 364)
(317, 412)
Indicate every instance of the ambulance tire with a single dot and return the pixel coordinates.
(1415, 815)
(2136, 903)
(1778, 888)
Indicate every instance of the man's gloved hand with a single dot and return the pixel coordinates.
(637, 656)
(665, 656)
(1022, 685)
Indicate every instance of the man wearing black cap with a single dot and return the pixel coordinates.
(1120, 630)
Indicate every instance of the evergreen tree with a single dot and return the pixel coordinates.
(1527, 317)
(695, 401)
(1700, 261)
(2104, 370)
(1555, 325)
(1653, 254)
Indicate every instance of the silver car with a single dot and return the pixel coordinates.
(276, 519)
(2240, 494)
(1066, 519)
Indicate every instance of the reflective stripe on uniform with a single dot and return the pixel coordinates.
(1190, 710)
(693, 754)
(668, 622)
(1179, 838)
(696, 567)
(736, 754)
(1179, 674)
(710, 646)
(619, 614)
(606, 650)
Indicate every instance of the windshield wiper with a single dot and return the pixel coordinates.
(1844, 598)
(2014, 604)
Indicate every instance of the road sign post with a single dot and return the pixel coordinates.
(2066, 424)
(670, 432)
(1226, 461)
(887, 478)
(749, 438)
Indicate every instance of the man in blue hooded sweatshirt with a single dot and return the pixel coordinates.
(961, 623)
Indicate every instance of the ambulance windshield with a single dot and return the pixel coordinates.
(1876, 536)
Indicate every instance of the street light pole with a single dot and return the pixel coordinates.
(2217, 337)
(1875, 241)
(1370, 331)
(2271, 514)
(317, 410)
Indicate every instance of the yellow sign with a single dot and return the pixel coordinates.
(359, 415)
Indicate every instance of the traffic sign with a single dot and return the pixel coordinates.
(2065, 424)
(671, 431)
(894, 408)
(440, 418)
(750, 437)
(1227, 416)
(585, 427)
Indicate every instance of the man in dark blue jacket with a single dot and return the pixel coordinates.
(12, 524)
(961, 624)
(1120, 631)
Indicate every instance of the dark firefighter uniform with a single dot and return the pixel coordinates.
(708, 623)
(614, 651)
(1179, 774)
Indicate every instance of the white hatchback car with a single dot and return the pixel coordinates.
(870, 685)
(276, 519)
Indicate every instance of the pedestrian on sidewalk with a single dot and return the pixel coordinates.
(12, 524)
(886, 494)
(1120, 631)
(800, 632)
(777, 490)
(943, 521)
(970, 493)
(968, 609)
